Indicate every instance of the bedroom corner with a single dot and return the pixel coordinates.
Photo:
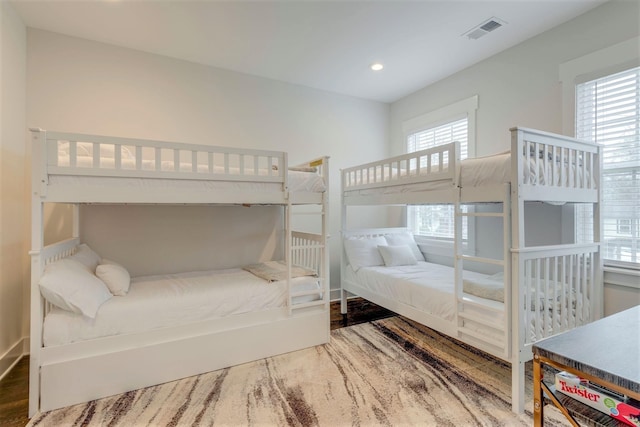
(13, 198)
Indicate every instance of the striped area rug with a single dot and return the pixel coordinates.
(391, 372)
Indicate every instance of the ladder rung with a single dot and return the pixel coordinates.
(307, 213)
(484, 321)
(304, 293)
(480, 214)
(467, 301)
(484, 338)
(481, 259)
(307, 304)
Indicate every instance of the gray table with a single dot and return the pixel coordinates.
(605, 352)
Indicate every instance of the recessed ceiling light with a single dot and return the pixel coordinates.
(377, 66)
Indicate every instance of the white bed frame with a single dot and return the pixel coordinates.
(579, 265)
(82, 371)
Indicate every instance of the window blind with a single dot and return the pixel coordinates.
(608, 112)
(437, 220)
(443, 134)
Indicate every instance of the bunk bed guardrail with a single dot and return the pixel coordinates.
(558, 284)
(66, 153)
(432, 164)
(555, 168)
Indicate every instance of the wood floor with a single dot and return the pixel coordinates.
(14, 396)
(14, 387)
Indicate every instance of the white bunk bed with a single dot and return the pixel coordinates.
(535, 281)
(76, 359)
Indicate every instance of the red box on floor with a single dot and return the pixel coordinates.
(594, 396)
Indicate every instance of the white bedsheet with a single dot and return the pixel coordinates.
(174, 299)
(429, 287)
(496, 169)
(486, 171)
(298, 181)
(425, 286)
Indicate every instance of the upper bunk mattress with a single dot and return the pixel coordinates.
(298, 182)
(484, 171)
(299, 179)
(175, 299)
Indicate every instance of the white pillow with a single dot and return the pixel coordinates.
(400, 239)
(67, 284)
(397, 255)
(115, 276)
(364, 252)
(87, 257)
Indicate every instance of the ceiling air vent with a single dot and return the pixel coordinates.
(483, 29)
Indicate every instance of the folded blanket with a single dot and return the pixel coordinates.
(490, 287)
(277, 270)
(303, 169)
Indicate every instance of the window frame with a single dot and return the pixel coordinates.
(465, 108)
(601, 63)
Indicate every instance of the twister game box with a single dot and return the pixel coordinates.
(617, 406)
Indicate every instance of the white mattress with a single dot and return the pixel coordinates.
(174, 299)
(484, 172)
(429, 287)
(298, 181)
(496, 169)
(425, 286)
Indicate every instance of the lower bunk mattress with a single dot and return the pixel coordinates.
(176, 299)
(426, 286)
(429, 288)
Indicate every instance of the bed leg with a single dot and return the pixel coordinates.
(343, 301)
(517, 386)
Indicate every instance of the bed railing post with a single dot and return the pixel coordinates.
(517, 297)
(325, 261)
(35, 334)
(288, 253)
(507, 282)
(597, 238)
(457, 260)
(343, 226)
(36, 304)
(39, 177)
(283, 169)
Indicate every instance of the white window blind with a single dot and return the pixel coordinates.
(439, 135)
(608, 112)
(437, 220)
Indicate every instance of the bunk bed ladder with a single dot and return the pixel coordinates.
(484, 322)
(307, 250)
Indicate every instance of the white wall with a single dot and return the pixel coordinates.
(521, 87)
(83, 86)
(144, 241)
(14, 289)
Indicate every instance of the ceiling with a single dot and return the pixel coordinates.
(327, 45)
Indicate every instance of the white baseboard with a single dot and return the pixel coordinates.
(12, 356)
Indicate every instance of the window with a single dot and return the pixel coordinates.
(455, 122)
(623, 226)
(437, 220)
(608, 112)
